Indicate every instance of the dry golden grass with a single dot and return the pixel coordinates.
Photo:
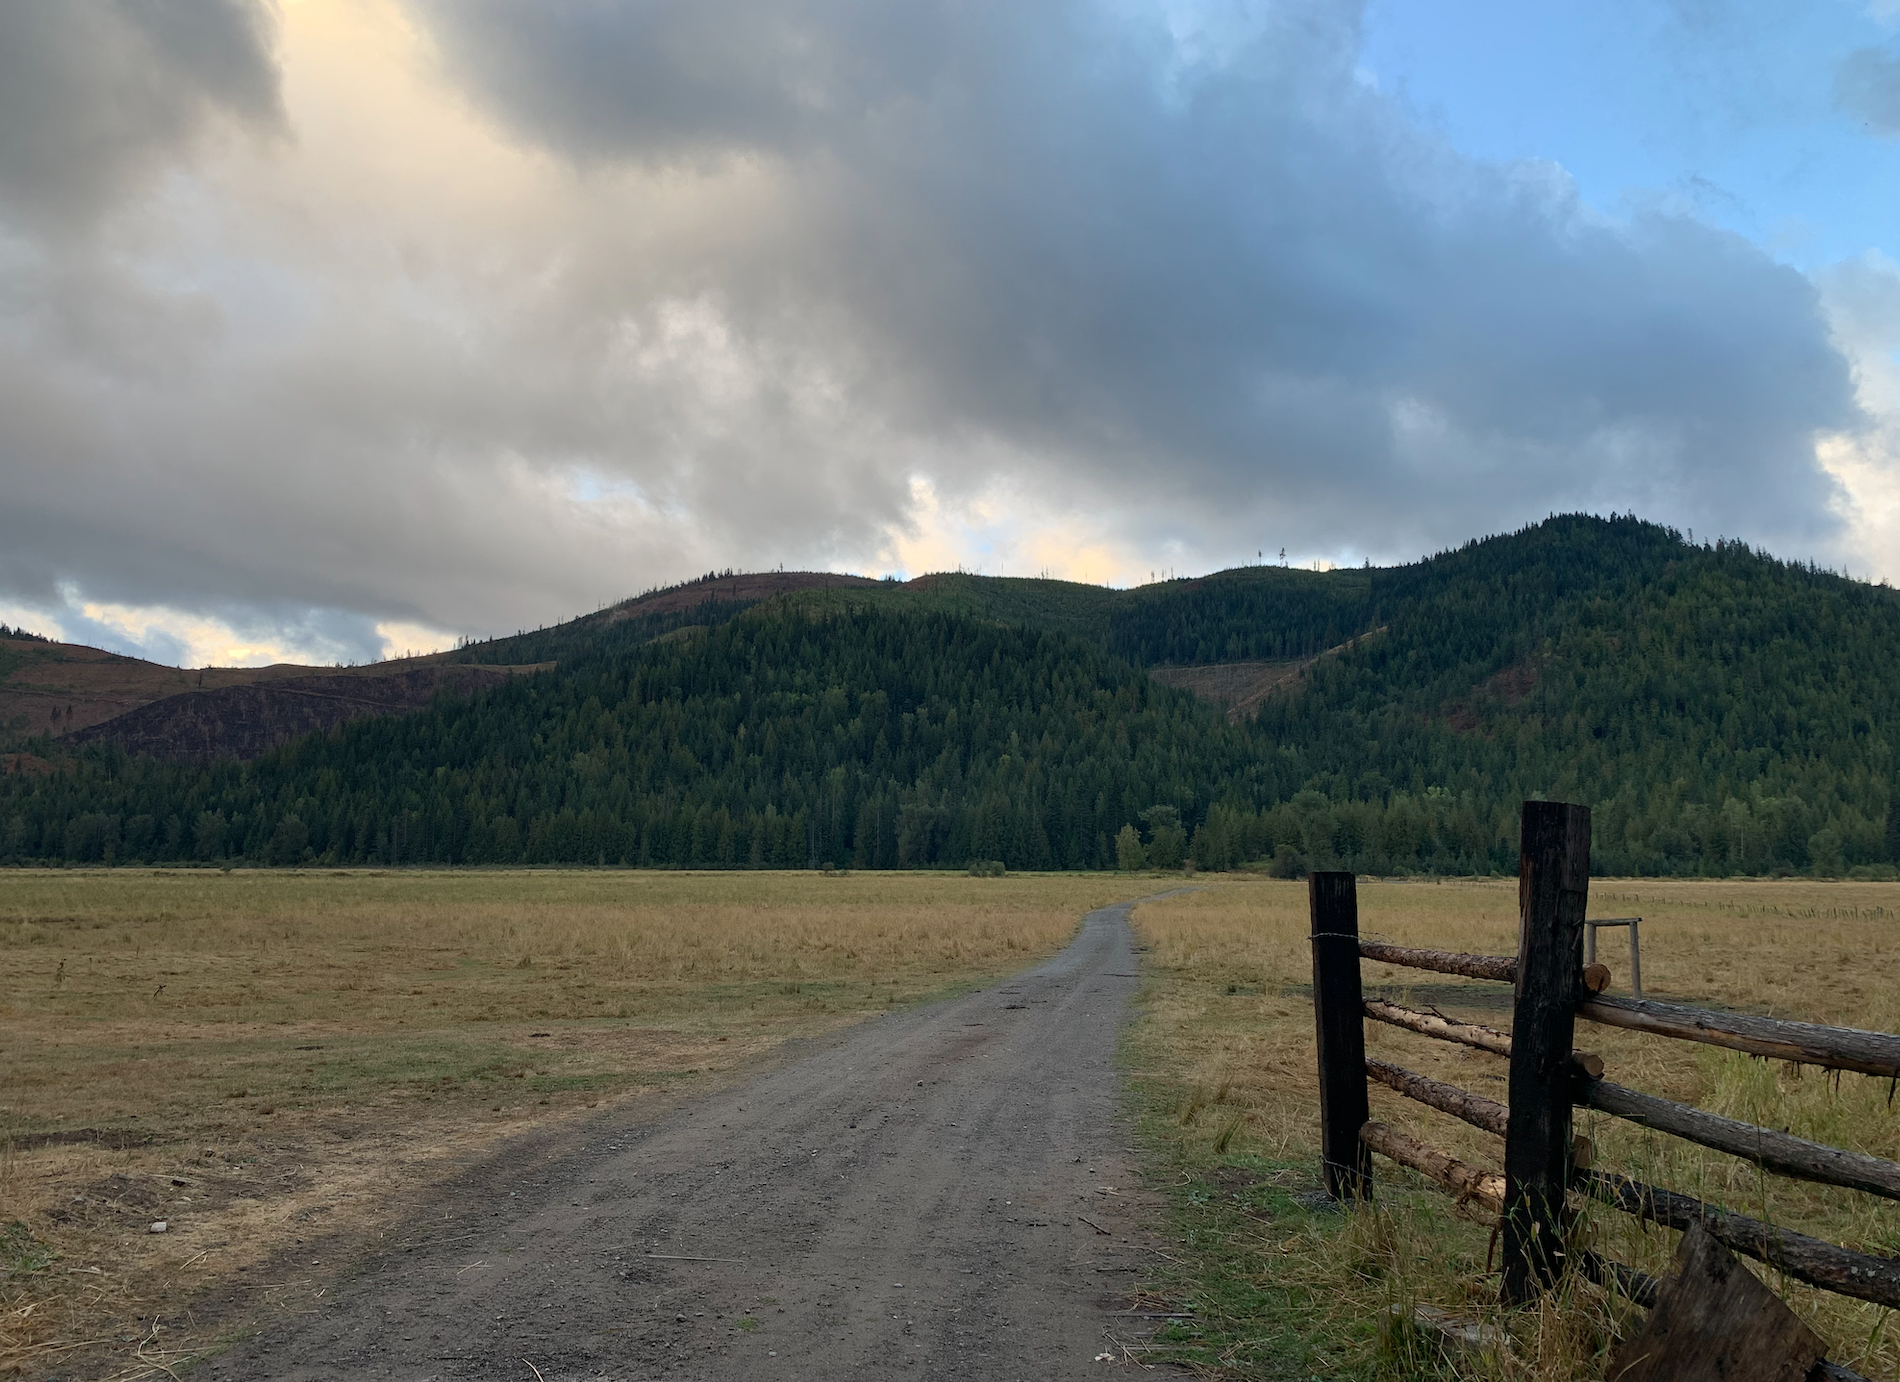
(259, 1058)
(1230, 1013)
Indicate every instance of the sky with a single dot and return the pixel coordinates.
(334, 329)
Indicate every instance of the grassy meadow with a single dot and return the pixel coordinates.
(1226, 1066)
(266, 1059)
(282, 1062)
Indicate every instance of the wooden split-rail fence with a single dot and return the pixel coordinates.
(1543, 1160)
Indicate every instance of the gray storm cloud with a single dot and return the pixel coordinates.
(1185, 273)
(1212, 272)
(101, 94)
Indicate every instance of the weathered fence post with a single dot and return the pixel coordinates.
(1636, 957)
(1553, 884)
(1339, 1024)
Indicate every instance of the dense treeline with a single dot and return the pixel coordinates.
(1253, 614)
(1722, 711)
(865, 739)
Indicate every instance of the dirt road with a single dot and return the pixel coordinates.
(911, 1200)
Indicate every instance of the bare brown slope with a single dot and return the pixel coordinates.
(56, 688)
(245, 721)
(64, 688)
(1239, 686)
(1498, 691)
(1242, 686)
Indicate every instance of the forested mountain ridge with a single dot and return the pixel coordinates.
(1720, 710)
(785, 737)
(1723, 711)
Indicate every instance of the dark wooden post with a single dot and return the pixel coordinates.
(1553, 882)
(1340, 1024)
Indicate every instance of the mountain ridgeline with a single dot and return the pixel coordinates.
(1723, 712)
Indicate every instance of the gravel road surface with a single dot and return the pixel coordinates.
(911, 1199)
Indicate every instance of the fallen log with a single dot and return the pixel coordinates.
(1643, 1289)
(1451, 1332)
(1716, 1321)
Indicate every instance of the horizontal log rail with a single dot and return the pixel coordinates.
(1637, 1286)
(1467, 1034)
(1474, 1109)
(1837, 1048)
(1503, 968)
(1432, 1025)
(1551, 1163)
(1775, 1151)
(1837, 1269)
(1462, 1181)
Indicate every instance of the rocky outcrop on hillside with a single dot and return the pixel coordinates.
(245, 721)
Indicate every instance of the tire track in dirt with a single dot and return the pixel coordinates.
(907, 1200)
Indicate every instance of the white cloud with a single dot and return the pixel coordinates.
(1863, 300)
(998, 531)
(242, 638)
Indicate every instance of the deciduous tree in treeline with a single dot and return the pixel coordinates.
(1129, 855)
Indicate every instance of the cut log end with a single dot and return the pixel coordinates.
(1596, 977)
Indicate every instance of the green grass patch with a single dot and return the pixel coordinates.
(1282, 1283)
(1247, 1231)
(22, 1254)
